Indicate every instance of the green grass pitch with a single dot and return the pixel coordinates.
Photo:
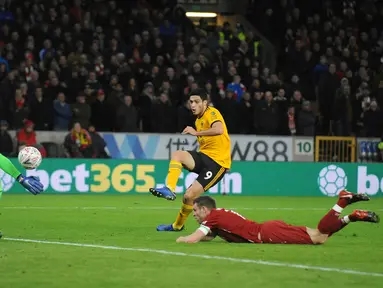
(129, 222)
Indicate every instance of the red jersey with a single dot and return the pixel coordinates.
(230, 226)
(28, 138)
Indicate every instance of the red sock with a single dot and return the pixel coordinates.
(342, 202)
(331, 223)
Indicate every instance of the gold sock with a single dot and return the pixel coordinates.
(175, 169)
(182, 216)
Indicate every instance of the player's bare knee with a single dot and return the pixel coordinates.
(320, 239)
(178, 155)
(190, 195)
(189, 198)
(316, 236)
(323, 239)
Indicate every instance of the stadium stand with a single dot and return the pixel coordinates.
(330, 51)
(134, 62)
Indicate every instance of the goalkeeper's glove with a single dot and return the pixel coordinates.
(32, 184)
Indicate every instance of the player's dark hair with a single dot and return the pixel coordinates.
(199, 92)
(205, 201)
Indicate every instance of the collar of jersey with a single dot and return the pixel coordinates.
(204, 112)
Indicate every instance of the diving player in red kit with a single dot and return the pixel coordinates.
(233, 227)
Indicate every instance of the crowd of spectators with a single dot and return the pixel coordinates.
(128, 66)
(331, 51)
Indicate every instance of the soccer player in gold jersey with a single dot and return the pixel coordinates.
(210, 163)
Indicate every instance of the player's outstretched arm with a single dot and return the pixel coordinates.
(32, 184)
(7, 166)
(197, 236)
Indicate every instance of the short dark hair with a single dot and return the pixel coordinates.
(199, 92)
(205, 201)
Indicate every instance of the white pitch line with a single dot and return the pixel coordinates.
(56, 208)
(210, 257)
(156, 208)
(148, 208)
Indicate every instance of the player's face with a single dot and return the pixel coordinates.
(197, 105)
(200, 213)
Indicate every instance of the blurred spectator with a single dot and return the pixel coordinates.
(291, 120)
(81, 111)
(258, 104)
(93, 83)
(98, 143)
(27, 134)
(342, 111)
(41, 111)
(127, 116)
(282, 109)
(3, 69)
(19, 110)
(237, 87)
(306, 120)
(163, 115)
(373, 120)
(246, 112)
(62, 113)
(102, 118)
(269, 116)
(145, 104)
(133, 90)
(296, 102)
(78, 142)
(185, 116)
(6, 143)
(228, 106)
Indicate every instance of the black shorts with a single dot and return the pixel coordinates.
(209, 172)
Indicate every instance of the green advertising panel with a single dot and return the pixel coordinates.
(245, 178)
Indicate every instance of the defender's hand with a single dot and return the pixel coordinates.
(189, 130)
(181, 239)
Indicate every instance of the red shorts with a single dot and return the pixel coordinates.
(279, 232)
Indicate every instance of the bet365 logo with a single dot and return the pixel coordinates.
(368, 181)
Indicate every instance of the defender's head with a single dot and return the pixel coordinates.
(202, 207)
(198, 101)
